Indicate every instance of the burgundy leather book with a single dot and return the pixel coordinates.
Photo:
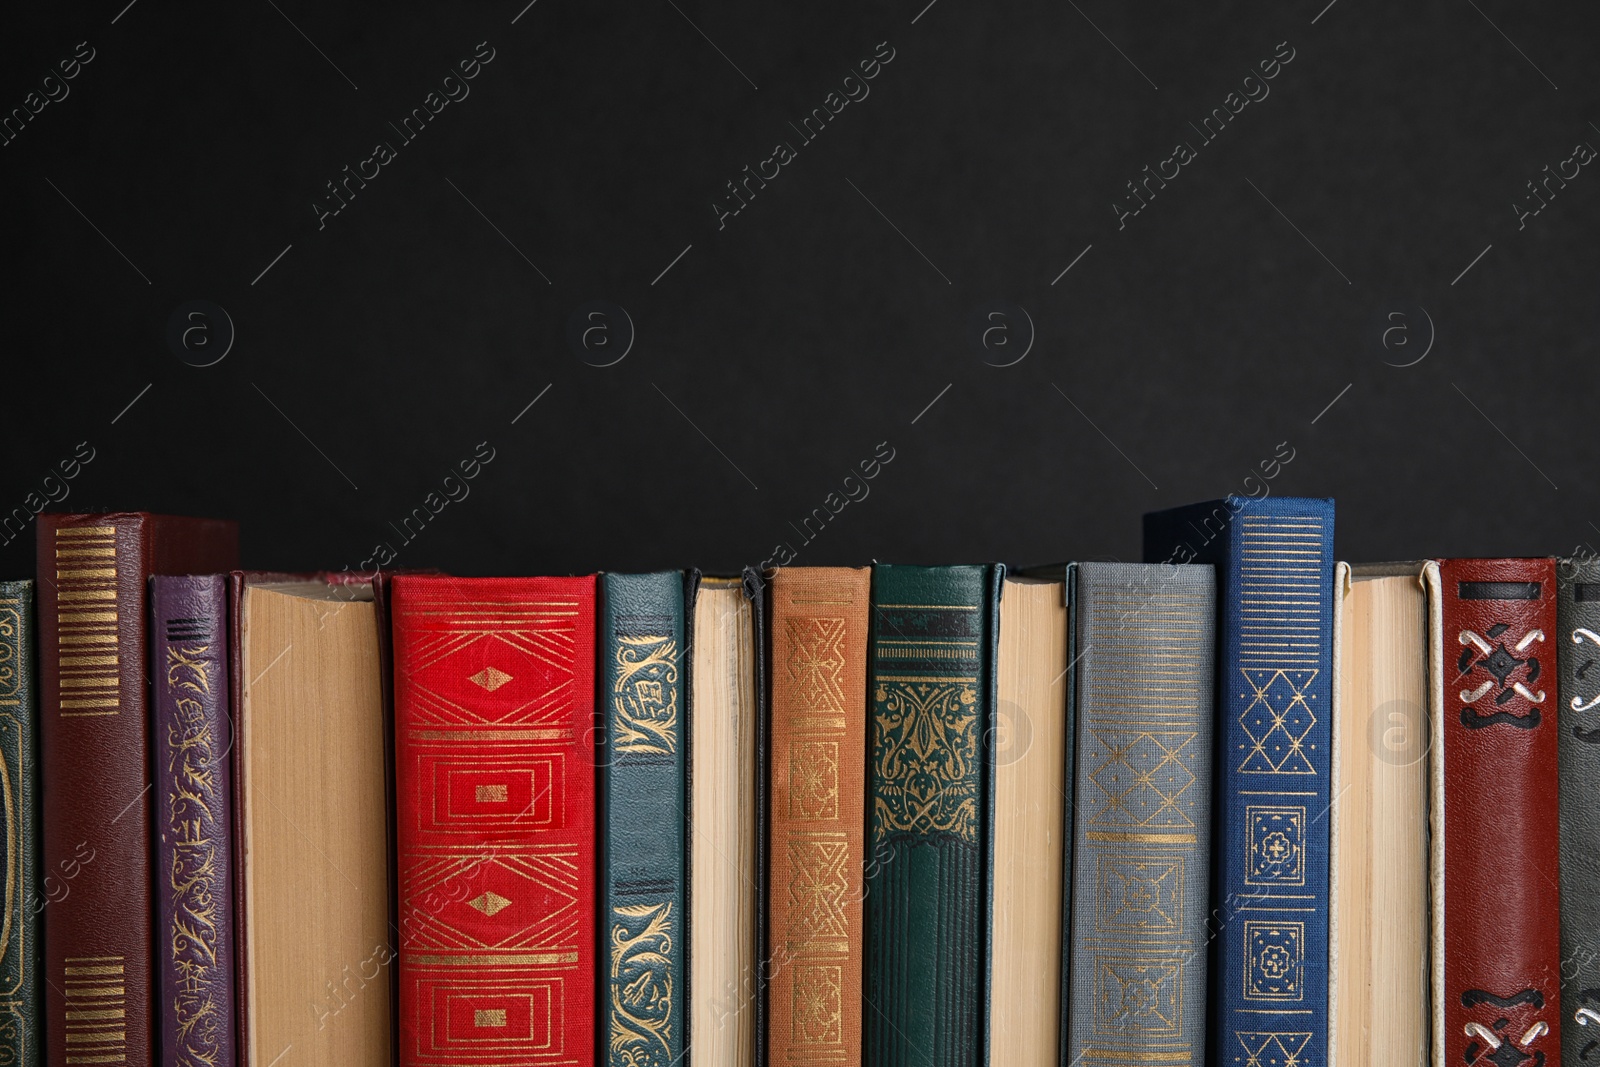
(1497, 949)
(95, 771)
(193, 808)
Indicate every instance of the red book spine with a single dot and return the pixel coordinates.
(1497, 731)
(494, 767)
(95, 772)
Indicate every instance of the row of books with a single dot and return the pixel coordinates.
(1240, 805)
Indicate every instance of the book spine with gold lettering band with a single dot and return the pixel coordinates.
(817, 835)
(21, 1034)
(640, 855)
(494, 687)
(1141, 851)
(932, 701)
(94, 742)
(1274, 690)
(193, 735)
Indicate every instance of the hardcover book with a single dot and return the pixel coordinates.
(932, 692)
(194, 820)
(1495, 815)
(1578, 754)
(641, 851)
(21, 1036)
(1031, 767)
(817, 838)
(494, 756)
(314, 948)
(1141, 852)
(1268, 996)
(99, 979)
(1379, 1001)
(724, 897)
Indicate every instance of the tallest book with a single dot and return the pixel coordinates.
(94, 746)
(1274, 560)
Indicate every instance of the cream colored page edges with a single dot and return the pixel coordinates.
(722, 830)
(1381, 904)
(315, 830)
(1029, 824)
(1432, 588)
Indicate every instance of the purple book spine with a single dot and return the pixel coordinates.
(192, 735)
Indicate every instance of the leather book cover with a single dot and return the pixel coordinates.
(1142, 837)
(1269, 967)
(21, 1032)
(1497, 957)
(1578, 755)
(494, 758)
(932, 701)
(641, 832)
(817, 823)
(94, 731)
(192, 735)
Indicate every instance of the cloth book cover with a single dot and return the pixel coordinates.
(641, 851)
(1578, 752)
(95, 749)
(1268, 995)
(932, 704)
(25, 898)
(193, 733)
(1142, 841)
(1496, 836)
(494, 757)
(817, 840)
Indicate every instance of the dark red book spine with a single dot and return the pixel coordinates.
(494, 764)
(1501, 905)
(95, 771)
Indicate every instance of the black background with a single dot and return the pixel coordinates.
(1209, 333)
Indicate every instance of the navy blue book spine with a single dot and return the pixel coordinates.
(1270, 903)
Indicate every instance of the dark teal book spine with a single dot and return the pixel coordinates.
(21, 1041)
(928, 865)
(641, 820)
(1270, 869)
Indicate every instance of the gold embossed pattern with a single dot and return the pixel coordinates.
(818, 748)
(645, 696)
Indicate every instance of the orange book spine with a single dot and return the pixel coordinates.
(817, 843)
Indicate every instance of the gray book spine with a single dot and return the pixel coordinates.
(1145, 648)
(1578, 755)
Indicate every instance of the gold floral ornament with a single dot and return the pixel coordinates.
(925, 747)
(645, 696)
(641, 985)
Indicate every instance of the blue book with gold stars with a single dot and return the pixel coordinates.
(1270, 868)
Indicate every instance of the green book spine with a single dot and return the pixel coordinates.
(932, 693)
(641, 848)
(20, 1036)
